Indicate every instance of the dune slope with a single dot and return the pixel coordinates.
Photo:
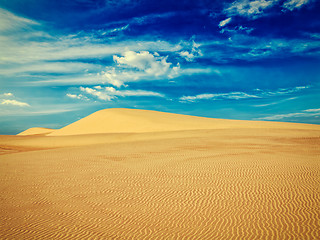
(134, 121)
(36, 131)
(217, 184)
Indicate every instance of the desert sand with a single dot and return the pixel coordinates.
(36, 131)
(135, 174)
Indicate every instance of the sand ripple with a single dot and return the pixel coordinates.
(190, 188)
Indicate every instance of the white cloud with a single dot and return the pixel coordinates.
(281, 116)
(248, 8)
(114, 30)
(131, 93)
(283, 91)
(7, 94)
(18, 46)
(293, 4)
(50, 67)
(256, 8)
(10, 21)
(304, 113)
(72, 95)
(100, 95)
(191, 50)
(76, 96)
(14, 103)
(188, 56)
(312, 110)
(136, 66)
(275, 103)
(225, 22)
(241, 95)
(217, 96)
(110, 93)
(144, 61)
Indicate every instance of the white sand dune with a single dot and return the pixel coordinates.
(135, 174)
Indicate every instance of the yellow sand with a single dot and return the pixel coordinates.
(119, 120)
(36, 131)
(241, 180)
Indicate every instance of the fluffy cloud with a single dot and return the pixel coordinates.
(109, 93)
(14, 103)
(99, 94)
(144, 61)
(191, 50)
(187, 55)
(135, 66)
(225, 22)
(76, 96)
(217, 96)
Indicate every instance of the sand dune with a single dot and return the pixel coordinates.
(36, 131)
(229, 182)
(119, 120)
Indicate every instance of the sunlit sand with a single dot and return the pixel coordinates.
(136, 174)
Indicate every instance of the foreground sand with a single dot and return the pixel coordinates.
(231, 183)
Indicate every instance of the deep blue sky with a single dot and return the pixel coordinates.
(253, 60)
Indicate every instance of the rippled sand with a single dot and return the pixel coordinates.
(231, 183)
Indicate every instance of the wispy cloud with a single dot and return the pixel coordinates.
(312, 110)
(217, 96)
(225, 22)
(257, 8)
(49, 67)
(6, 94)
(242, 95)
(14, 103)
(251, 48)
(283, 91)
(293, 4)
(275, 103)
(247, 8)
(114, 30)
(11, 22)
(304, 113)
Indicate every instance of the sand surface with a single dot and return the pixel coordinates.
(235, 181)
(36, 131)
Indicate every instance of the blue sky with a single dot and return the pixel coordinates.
(251, 60)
